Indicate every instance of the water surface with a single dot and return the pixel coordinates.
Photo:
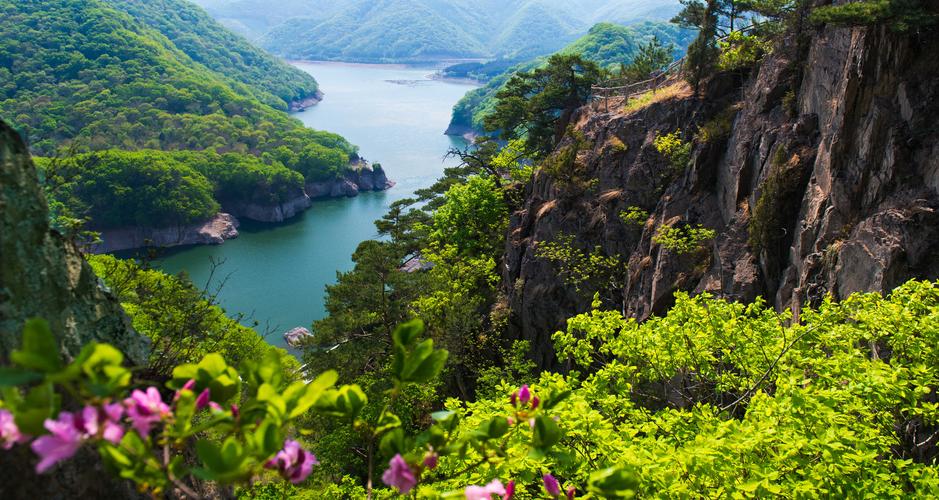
(277, 273)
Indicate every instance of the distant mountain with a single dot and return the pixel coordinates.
(412, 30)
(607, 44)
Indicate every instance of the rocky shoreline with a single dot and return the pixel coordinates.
(224, 225)
(306, 102)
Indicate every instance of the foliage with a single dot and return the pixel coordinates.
(683, 239)
(236, 421)
(206, 42)
(899, 15)
(116, 188)
(740, 51)
(473, 218)
(588, 272)
(779, 195)
(182, 322)
(674, 149)
(719, 127)
(608, 45)
(634, 216)
(89, 74)
(537, 106)
(703, 51)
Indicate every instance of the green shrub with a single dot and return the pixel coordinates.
(683, 239)
(674, 149)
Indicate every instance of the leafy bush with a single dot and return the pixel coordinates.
(634, 216)
(740, 51)
(674, 149)
(683, 239)
(899, 15)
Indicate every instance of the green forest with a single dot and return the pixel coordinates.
(79, 76)
(419, 381)
(609, 45)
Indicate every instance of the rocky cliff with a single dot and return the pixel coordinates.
(818, 170)
(362, 177)
(44, 275)
(211, 232)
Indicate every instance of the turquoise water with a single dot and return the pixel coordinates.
(277, 273)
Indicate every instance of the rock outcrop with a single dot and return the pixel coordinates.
(214, 231)
(362, 177)
(819, 172)
(306, 102)
(277, 212)
(44, 275)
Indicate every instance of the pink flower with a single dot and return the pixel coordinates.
(399, 475)
(61, 444)
(293, 462)
(145, 409)
(524, 395)
(70, 430)
(485, 492)
(430, 460)
(203, 400)
(509, 491)
(188, 386)
(534, 402)
(551, 485)
(9, 433)
(570, 493)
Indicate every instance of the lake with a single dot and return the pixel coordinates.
(277, 273)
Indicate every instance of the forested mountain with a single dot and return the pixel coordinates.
(201, 38)
(101, 75)
(609, 45)
(398, 30)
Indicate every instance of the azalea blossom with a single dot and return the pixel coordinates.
(524, 395)
(509, 490)
(9, 433)
(145, 409)
(430, 460)
(551, 485)
(571, 492)
(70, 430)
(485, 492)
(399, 475)
(293, 462)
(203, 400)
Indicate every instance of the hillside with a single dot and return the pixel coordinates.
(195, 33)
(83, 76)
(424, 30)
(607, 44)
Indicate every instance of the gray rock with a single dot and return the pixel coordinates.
(44, 275)
(214, 231)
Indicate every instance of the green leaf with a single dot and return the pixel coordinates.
(40, 349)
(430, 367)
(387, 422)
(546, 432)
(613, 483)
(210, 454)
(393, 443)
(11, 376)
(406, 333)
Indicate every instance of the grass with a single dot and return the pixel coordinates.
(645, 99)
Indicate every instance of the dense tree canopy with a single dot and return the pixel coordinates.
(537, 105)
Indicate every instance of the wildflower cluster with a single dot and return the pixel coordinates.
(236, 422)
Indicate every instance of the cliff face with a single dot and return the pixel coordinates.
(44, 275)
(819, 173)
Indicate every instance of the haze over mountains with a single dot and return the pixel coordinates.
(401, 30)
